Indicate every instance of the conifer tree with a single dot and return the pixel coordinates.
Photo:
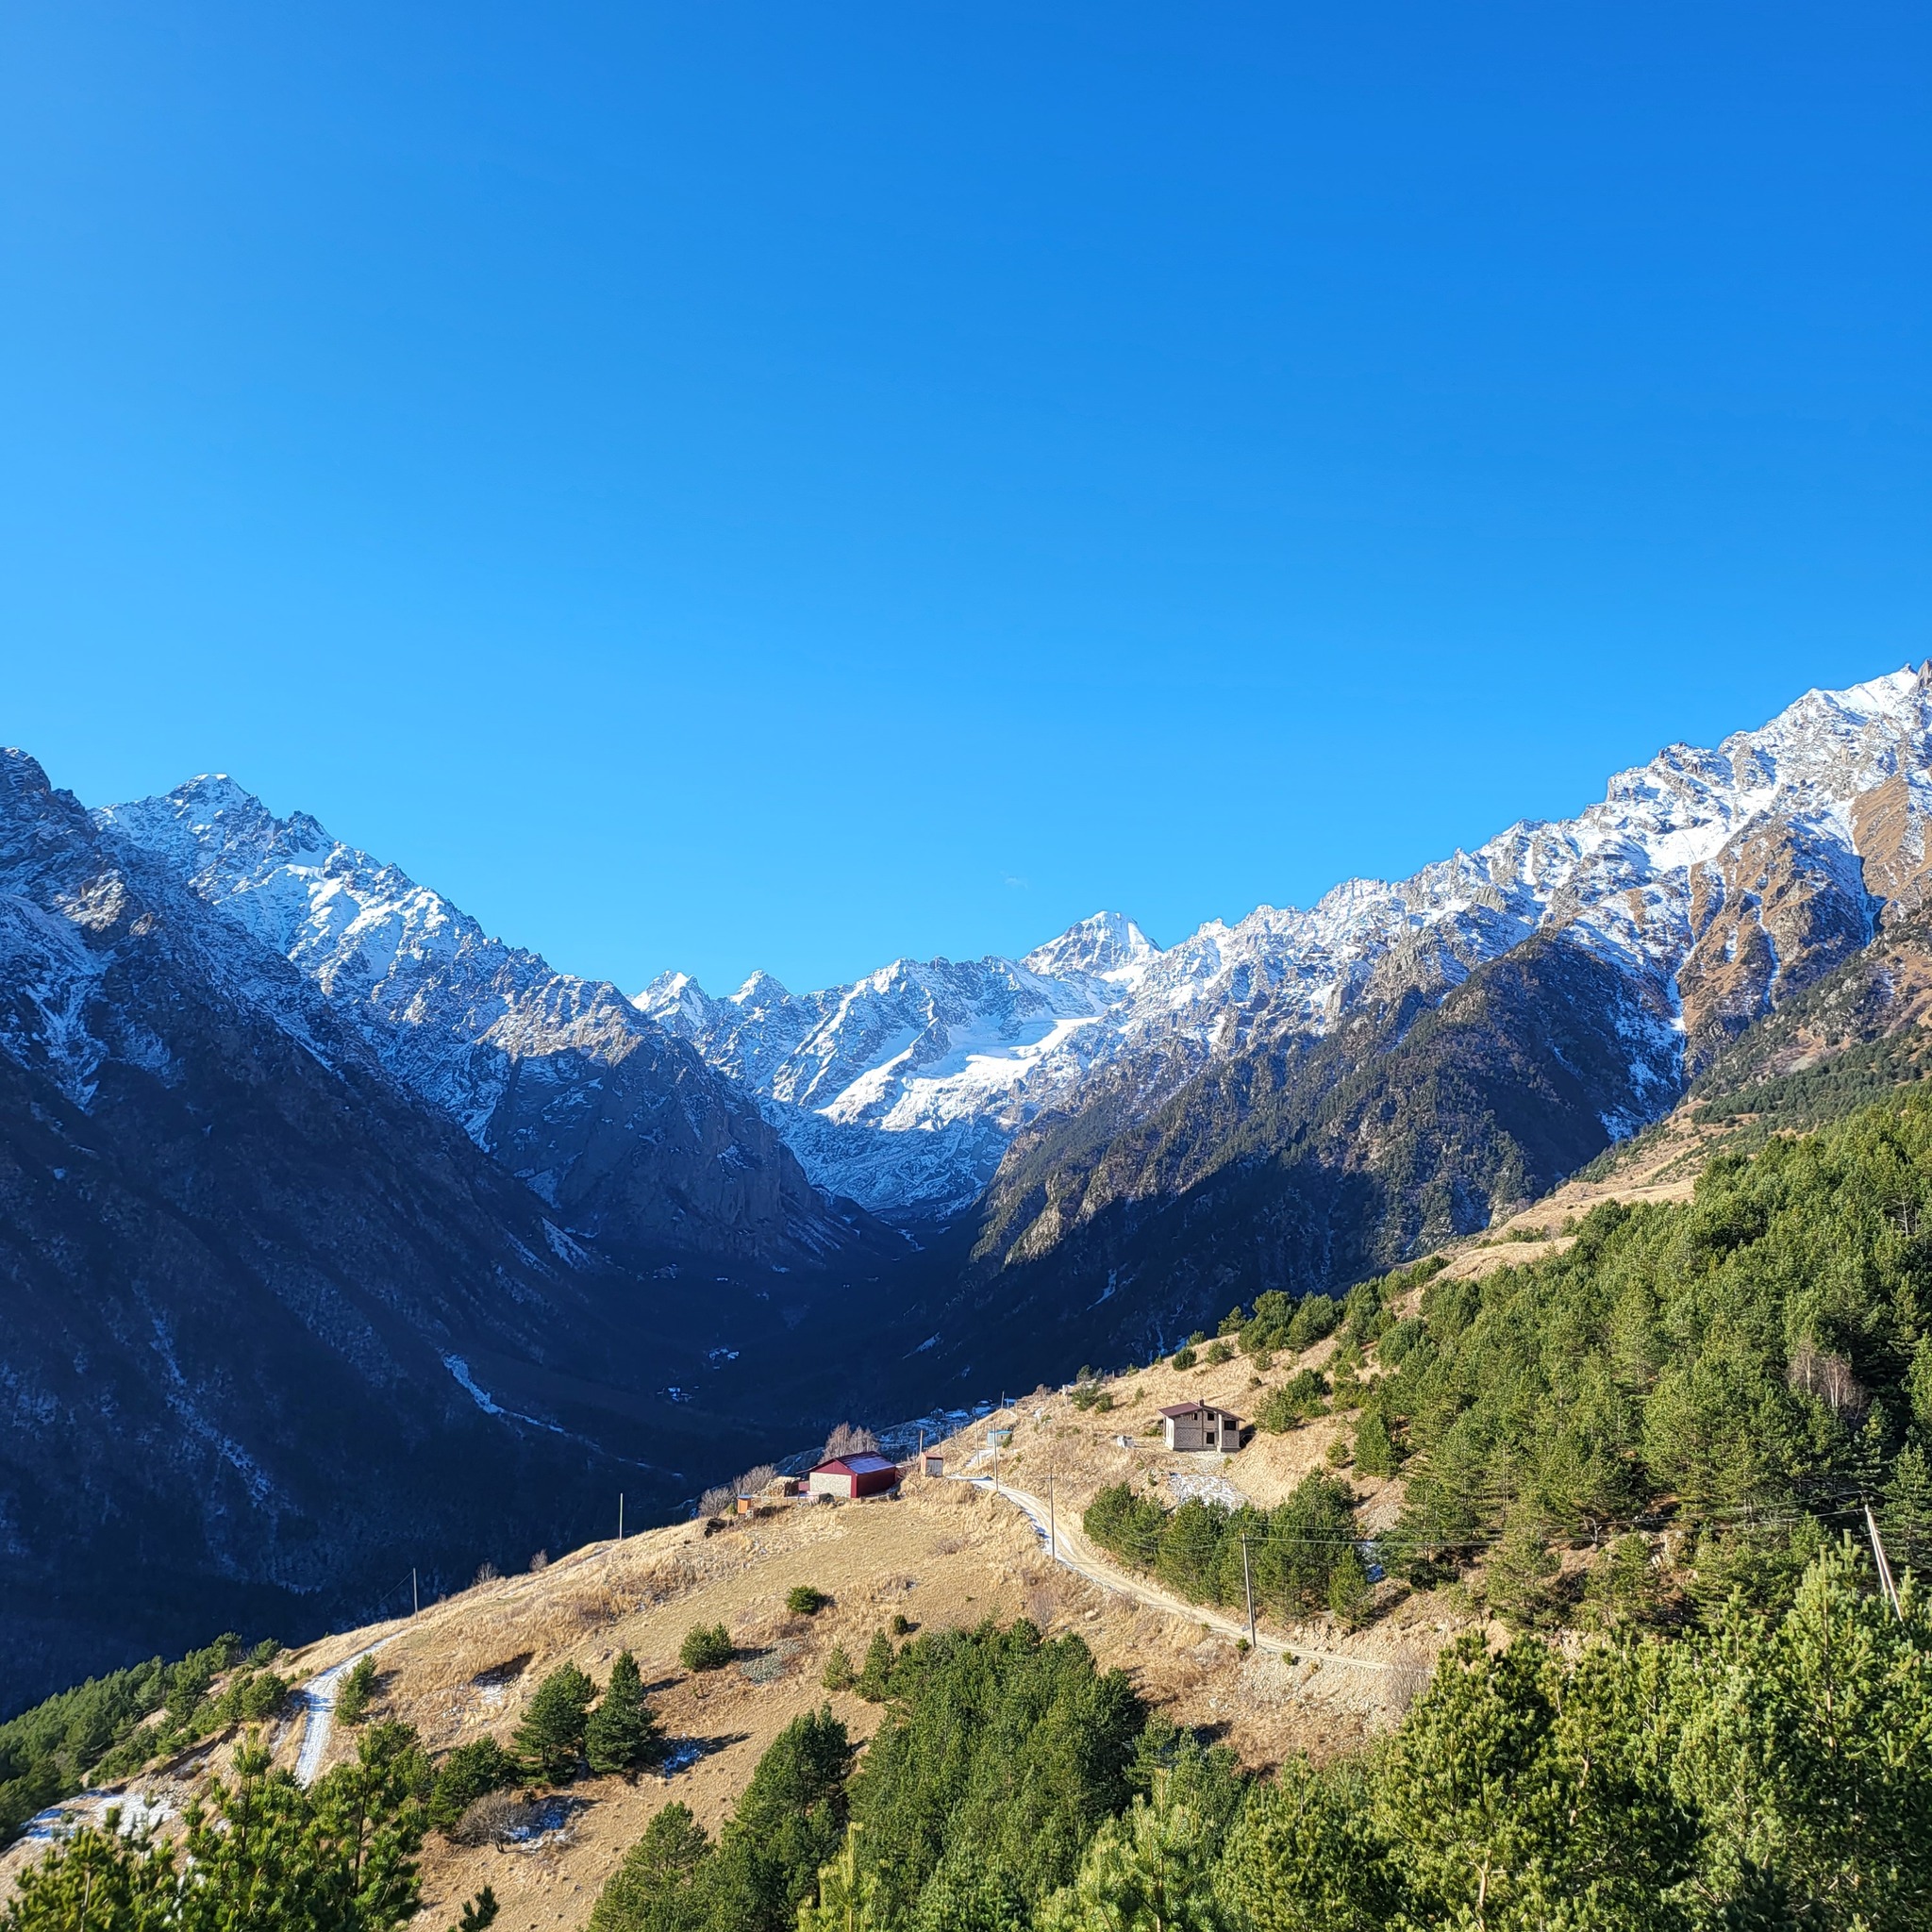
(359, 1691)
(658, 1887)
(1151, 1871)
(623, 1734)
(550, 1739)
(1907, 1518)
(878, 1669)
(849, 1896)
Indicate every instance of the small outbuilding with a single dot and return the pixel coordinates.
(850, 1478)
(931, 1463)
(1198, 1425)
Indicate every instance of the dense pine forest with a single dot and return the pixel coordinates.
(1650, 1456)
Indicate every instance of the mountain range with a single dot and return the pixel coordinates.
(1709, 883)
(338, 1237)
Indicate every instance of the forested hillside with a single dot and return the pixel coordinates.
(1769, 1771)
(1299, 1165)
(1693, 1401)
(1732, 1377)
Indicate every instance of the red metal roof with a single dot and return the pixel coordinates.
(1181, 1409)
(857, 1465)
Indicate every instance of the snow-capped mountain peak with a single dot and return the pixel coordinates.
(1108, 946)
(600, 1110)
(1718, 877)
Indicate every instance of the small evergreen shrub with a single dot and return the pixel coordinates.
(470, 1772)
(358, 1692)
(879, 1658)
(802, 1600)
(1315, 1319)
(1292, 1405)
(707, 1647)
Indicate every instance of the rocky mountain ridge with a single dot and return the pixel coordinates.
(1716, 881)
(619, 1126)
(274, 1330)
(237, 1267)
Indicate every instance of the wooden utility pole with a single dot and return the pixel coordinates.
(1248, 1585)
(620, 1516)
(1884, 1582)
(415, 1596)
(1053, 1541)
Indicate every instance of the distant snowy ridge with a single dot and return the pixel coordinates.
(1717, 879)
(902, 1090)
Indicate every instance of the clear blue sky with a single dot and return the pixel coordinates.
(790, 484)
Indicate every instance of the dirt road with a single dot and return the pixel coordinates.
(319, 1713)
(1071, 1548)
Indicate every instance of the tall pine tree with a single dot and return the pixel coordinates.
(550, 1739)
(622, 1733)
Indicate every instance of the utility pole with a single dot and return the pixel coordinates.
(415, 1596)
(1248, 1585)
(1884, 1582)
(1053, 1541)
(620, 1516)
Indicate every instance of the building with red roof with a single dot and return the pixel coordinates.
(850, 1478)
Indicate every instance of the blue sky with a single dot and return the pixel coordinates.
(787, 485)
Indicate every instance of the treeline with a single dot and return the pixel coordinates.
(1702, 1393)
(1301, 1555)
(101, 1730)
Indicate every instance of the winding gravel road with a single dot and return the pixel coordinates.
(1069, 1546)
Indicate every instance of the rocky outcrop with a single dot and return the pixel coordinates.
(1778, 906)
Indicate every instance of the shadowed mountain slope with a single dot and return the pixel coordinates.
(275, 1330)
